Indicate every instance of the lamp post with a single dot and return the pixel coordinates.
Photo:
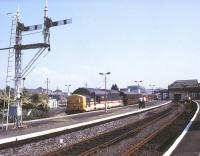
(47, 82)
(68, 93)
(152, 86)
(138, 83)
(104, 74)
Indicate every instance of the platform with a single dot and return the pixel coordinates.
(41, 127)
(188, 143)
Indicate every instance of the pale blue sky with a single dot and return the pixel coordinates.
(155, 41)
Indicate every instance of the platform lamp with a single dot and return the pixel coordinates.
(138, 83)
(68, 93)
(104, 74)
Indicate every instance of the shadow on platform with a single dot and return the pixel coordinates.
(195, 126)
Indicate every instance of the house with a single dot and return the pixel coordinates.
(59, 96)
(38, 90)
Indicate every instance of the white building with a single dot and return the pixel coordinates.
(53, 103)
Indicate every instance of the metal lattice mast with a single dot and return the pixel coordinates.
(46, 28)
(18, 47)
(18, 67)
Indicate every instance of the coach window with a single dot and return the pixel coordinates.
(98, 99)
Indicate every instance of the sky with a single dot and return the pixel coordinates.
(155, 41)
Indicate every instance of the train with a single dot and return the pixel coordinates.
(89, 99)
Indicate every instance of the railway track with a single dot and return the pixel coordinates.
(141, 143)
(106, 140)
(124, 135)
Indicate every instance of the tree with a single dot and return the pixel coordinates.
(4, 99)
(114, 87)
(11, 90)
(35, 98)
(39, 101)
(1, 99)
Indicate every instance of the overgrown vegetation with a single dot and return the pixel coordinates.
(34, 103)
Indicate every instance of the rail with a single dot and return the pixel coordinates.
(122, 136)
(110, 138)
(137, 146)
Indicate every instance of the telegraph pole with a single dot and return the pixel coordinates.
(47, 82)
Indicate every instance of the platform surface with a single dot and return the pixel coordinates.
(190, 144)
(56, 122)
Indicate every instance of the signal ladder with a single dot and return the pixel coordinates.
(9, 76)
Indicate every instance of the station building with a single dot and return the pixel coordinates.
(180, 89)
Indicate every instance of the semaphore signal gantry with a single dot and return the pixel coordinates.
(17, 52)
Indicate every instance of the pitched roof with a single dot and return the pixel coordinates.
(184, 84)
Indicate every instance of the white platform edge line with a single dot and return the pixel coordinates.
(178, 140)
(41, 133)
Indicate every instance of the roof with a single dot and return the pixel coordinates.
(123, 89)
(89, 91)
(57, 93)
(184, 84)
(114, 91)
(57, 90)
(161, 91)
(37, 90)
(96, 91)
